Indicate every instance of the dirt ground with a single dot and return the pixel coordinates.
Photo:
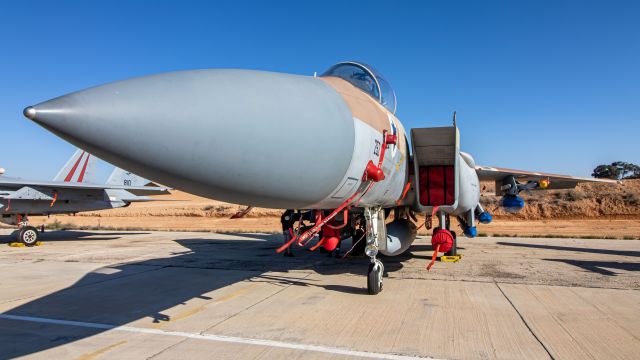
(619, 229)
(590, 210)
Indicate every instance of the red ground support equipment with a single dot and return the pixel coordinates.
(441, 240)
(330, 239)
(373, 173)
(370, 176)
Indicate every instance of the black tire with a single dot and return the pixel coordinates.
(454, 249)
(374, 285)
(358, 250)
(28, 235)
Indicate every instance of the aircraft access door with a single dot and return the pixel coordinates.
(436, 154)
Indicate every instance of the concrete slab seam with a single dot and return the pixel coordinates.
(525, 322)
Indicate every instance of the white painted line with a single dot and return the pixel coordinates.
(211, 337)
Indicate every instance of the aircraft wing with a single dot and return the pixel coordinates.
(556, 181)
(7, 182)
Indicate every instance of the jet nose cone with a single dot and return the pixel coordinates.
(212, 132)
(30, 113)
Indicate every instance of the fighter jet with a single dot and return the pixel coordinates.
(71, 191)
(327, 148)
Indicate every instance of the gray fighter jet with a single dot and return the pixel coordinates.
(328, 148)
(70, 192)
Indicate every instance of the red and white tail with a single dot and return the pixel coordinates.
(80, 168)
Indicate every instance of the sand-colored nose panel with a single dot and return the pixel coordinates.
(362, 106)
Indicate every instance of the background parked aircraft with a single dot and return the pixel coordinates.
(72, 190)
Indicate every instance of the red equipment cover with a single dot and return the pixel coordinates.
(437, 185)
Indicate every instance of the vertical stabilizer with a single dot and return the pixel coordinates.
(122, 177)
(80, 168)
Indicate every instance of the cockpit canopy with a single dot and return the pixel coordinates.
(367, 79)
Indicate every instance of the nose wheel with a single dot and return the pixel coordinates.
(374, 277)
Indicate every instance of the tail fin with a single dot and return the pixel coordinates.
(79, 168)
(125, 178)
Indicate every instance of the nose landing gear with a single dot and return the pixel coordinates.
(376, 237)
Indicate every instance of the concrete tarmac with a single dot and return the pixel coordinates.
(166, 295)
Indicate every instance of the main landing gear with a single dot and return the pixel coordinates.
(27, 234)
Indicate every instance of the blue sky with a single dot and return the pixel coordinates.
(539, 85)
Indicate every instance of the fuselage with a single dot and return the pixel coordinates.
(248, 137)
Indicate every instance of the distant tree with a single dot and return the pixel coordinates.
(618, 170)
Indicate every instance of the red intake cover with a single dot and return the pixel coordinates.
(437, 185)
(442, 237)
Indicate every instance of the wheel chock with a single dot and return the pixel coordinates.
(19, 244)
(454, 258)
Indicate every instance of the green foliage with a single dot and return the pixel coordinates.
(618, 170)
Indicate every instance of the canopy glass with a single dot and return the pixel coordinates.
(367, 79)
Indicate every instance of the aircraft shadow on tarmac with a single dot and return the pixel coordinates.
(71, 235)
(576, 249)
(124, 293)
(600, 267)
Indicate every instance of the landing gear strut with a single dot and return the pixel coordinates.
(287, 222)
(454, 248)
(445, 223)
(376, 236)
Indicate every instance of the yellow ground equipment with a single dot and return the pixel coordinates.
(19, 244)
(454, 258)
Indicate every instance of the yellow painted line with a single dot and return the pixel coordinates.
(93, 355)
(189, 312)
(235, 293)
(183, 315)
